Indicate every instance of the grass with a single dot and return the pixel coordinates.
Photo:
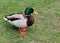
(46, 28)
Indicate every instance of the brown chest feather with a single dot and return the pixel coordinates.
(30, 20)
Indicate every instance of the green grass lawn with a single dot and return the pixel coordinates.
(46, 28)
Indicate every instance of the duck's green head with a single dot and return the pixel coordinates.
(29, 11)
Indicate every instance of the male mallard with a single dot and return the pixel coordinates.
(21, 20)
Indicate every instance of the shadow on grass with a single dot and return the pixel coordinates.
(9, 26)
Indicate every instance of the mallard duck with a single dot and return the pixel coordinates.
(22, 20)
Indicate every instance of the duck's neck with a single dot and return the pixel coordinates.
(27, 15)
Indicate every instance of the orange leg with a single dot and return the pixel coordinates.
(22, 31)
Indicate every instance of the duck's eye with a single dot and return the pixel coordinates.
(32, 10)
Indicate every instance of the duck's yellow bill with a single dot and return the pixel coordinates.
(35, 12)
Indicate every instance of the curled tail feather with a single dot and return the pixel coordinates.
(5, 18)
